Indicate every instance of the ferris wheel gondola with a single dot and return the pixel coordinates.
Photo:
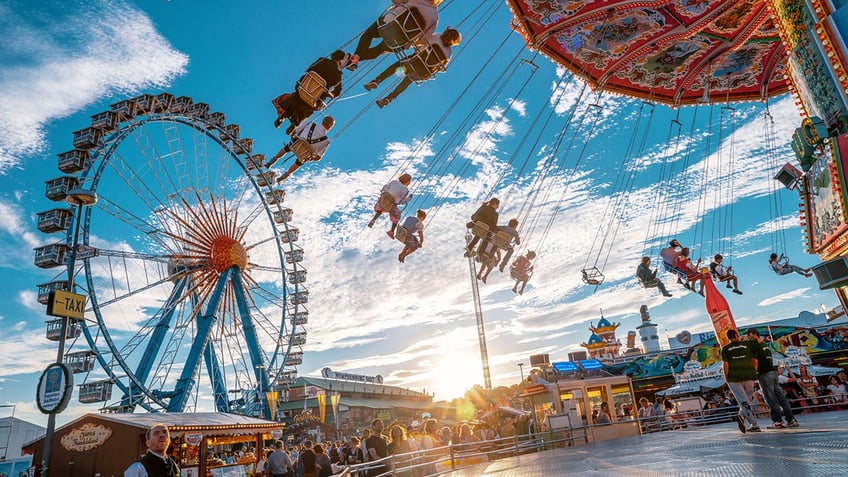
(194, 278)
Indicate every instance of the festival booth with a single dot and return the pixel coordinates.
(106, 444)
(569, 403)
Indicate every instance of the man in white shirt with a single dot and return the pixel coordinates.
(155, 463)
(399, 190)
(311, 133)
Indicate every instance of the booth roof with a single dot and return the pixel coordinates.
(209, 423)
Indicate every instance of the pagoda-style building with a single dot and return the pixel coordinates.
(602, 344)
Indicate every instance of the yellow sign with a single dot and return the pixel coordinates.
(67, 304)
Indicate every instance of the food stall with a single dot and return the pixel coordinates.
(106, 444)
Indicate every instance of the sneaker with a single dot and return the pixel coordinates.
(282, 178)
(278, 121)
(737, 292)
(371, 85)
(808, 275)
(741, 423)
(686, 286)
(794, 423)
(382, 103)
(754, 429)
(777, 425)
(391, 234)
(667, 294)
(371, 224)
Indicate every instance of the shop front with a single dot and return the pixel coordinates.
(204, 444)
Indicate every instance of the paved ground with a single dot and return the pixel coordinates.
(818, 448)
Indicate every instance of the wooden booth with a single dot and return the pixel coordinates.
(106, 444)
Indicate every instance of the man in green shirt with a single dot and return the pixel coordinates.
(773, 393)
(740, 370)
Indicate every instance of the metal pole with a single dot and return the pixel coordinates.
(80, 198)
(521, 370)
(478, 311)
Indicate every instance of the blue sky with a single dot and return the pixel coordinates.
(478, 130)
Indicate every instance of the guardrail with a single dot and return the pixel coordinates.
(446, 459)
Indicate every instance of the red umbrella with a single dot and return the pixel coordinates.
(676, 52)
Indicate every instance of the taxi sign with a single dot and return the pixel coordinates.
(66, 304)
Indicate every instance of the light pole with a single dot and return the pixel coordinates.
(521, 370)
(260, 378)
(80, 198)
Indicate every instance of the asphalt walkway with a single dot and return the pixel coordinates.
(819, 447)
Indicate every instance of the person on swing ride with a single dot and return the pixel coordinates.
(509, 229)
(488, 261)
(428, 15)
(487, 214)
(684, 264)
(669, 256)
(648, 277)
(520, 271)
(724, 274)
(399, 190)
(781, 266)
(311, 132)
(414, 225)
(292, 107)
(445, 40)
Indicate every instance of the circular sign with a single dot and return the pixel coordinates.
(54, 388)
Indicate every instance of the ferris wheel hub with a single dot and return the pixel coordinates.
(227, 252)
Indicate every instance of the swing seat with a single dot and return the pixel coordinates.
(303, 151)
(481, 230)
(386, 201)
(400, 26)
(424, 64)
(400, 233)
(592, 276)
(312, 88)
(502, 240)
(519, 275)
(671, 269)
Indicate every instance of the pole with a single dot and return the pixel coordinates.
(80, 198)
(478, 311)
(521, 370)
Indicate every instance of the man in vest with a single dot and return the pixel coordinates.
(313, 134)
(156, 462)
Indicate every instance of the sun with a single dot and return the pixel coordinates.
(458, 371)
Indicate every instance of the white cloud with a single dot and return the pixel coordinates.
(59, 65)
(792, 295)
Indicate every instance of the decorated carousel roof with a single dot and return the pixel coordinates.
(666, 51)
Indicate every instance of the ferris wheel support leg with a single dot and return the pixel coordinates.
(219, 386)
(154, 344)
(186, 382)
(249, 330)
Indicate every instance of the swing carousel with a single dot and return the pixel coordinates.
(705, 53)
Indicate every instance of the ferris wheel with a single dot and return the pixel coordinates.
(194, 278)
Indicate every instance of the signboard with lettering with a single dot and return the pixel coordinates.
(66, 304)
(330, 374)
(86, 437)
(54, 388)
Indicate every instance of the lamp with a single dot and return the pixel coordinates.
(80, 198)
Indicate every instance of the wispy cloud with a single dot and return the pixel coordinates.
(57, 65)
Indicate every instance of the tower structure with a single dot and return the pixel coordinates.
(602, 343)
(648, 332)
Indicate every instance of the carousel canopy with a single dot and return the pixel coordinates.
(676, 52)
